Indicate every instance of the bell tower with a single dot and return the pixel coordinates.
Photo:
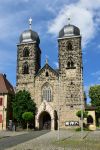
(28, 58)
(70, 66)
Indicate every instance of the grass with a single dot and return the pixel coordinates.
(79, 144)
(79, 129)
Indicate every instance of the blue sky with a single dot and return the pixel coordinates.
(48, 18)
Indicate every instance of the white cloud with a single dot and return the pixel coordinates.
(56, 64)
(82, 15)
(96, 75)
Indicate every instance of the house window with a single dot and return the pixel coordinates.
(46, 93)
(0, 101)
(0, 118)
(26, 52)
(25, 68)
(69, 46)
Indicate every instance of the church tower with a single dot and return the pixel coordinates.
(70, 70)
(28, 58)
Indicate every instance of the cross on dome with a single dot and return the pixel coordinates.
(68, 20)
(30, 23)
(46, 60)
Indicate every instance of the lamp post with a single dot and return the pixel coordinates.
(59, 107)
(81, 96)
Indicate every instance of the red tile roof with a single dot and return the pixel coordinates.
(5, 86)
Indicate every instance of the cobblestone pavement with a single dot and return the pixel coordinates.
(46, 141)
(43, 142)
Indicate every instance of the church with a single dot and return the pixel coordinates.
(58, 93)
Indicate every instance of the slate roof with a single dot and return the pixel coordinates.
(29, 36)
(90, 108)
(69, 30)
(5, 86)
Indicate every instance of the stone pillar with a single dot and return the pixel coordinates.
(37, 123)
(52, 123)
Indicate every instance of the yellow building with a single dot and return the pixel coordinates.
(6, 90)
(91, 119)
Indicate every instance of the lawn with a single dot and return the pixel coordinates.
(79, 144)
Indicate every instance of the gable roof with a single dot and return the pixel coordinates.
(46, 66)
(5, 86)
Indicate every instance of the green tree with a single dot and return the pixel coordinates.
(85, 114)
(27, 116)
(94, 94)
(22, 102)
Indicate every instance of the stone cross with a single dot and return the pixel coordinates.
(46, 60)
(68, 20)
(30, 23)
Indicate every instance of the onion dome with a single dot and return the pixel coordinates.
(29, 36)
(69, 30)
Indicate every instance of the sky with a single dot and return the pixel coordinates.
(48, 19)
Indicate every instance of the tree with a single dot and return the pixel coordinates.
(85, 114)
(94, 94)
(27, 116)
(22, 102)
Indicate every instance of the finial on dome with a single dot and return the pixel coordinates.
(46, 60)
(30, 23)
(68, 20)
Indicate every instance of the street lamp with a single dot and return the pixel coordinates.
(59, 107)
(81, 96)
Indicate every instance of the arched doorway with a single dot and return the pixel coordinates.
(45, 121)
(90, 119)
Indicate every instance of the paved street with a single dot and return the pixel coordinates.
(11, 139)
(44, 140)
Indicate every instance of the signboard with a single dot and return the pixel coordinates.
(71, 123)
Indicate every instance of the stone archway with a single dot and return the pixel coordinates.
(45, 107)
(90, 119)
(45, 121)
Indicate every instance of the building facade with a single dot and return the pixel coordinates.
(58, 94)
(6, 92)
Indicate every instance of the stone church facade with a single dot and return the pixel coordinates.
(58, 94)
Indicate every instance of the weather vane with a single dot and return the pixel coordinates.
(30, 23)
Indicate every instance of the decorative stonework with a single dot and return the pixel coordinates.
(45, 106)
(66, 83)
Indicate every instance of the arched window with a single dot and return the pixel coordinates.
(47, 74)
(70, 64)
(25, 68)
(90, 119)
(46, 93)
(26, 52)
(69, 46)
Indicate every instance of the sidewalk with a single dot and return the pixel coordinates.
(5, 133)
